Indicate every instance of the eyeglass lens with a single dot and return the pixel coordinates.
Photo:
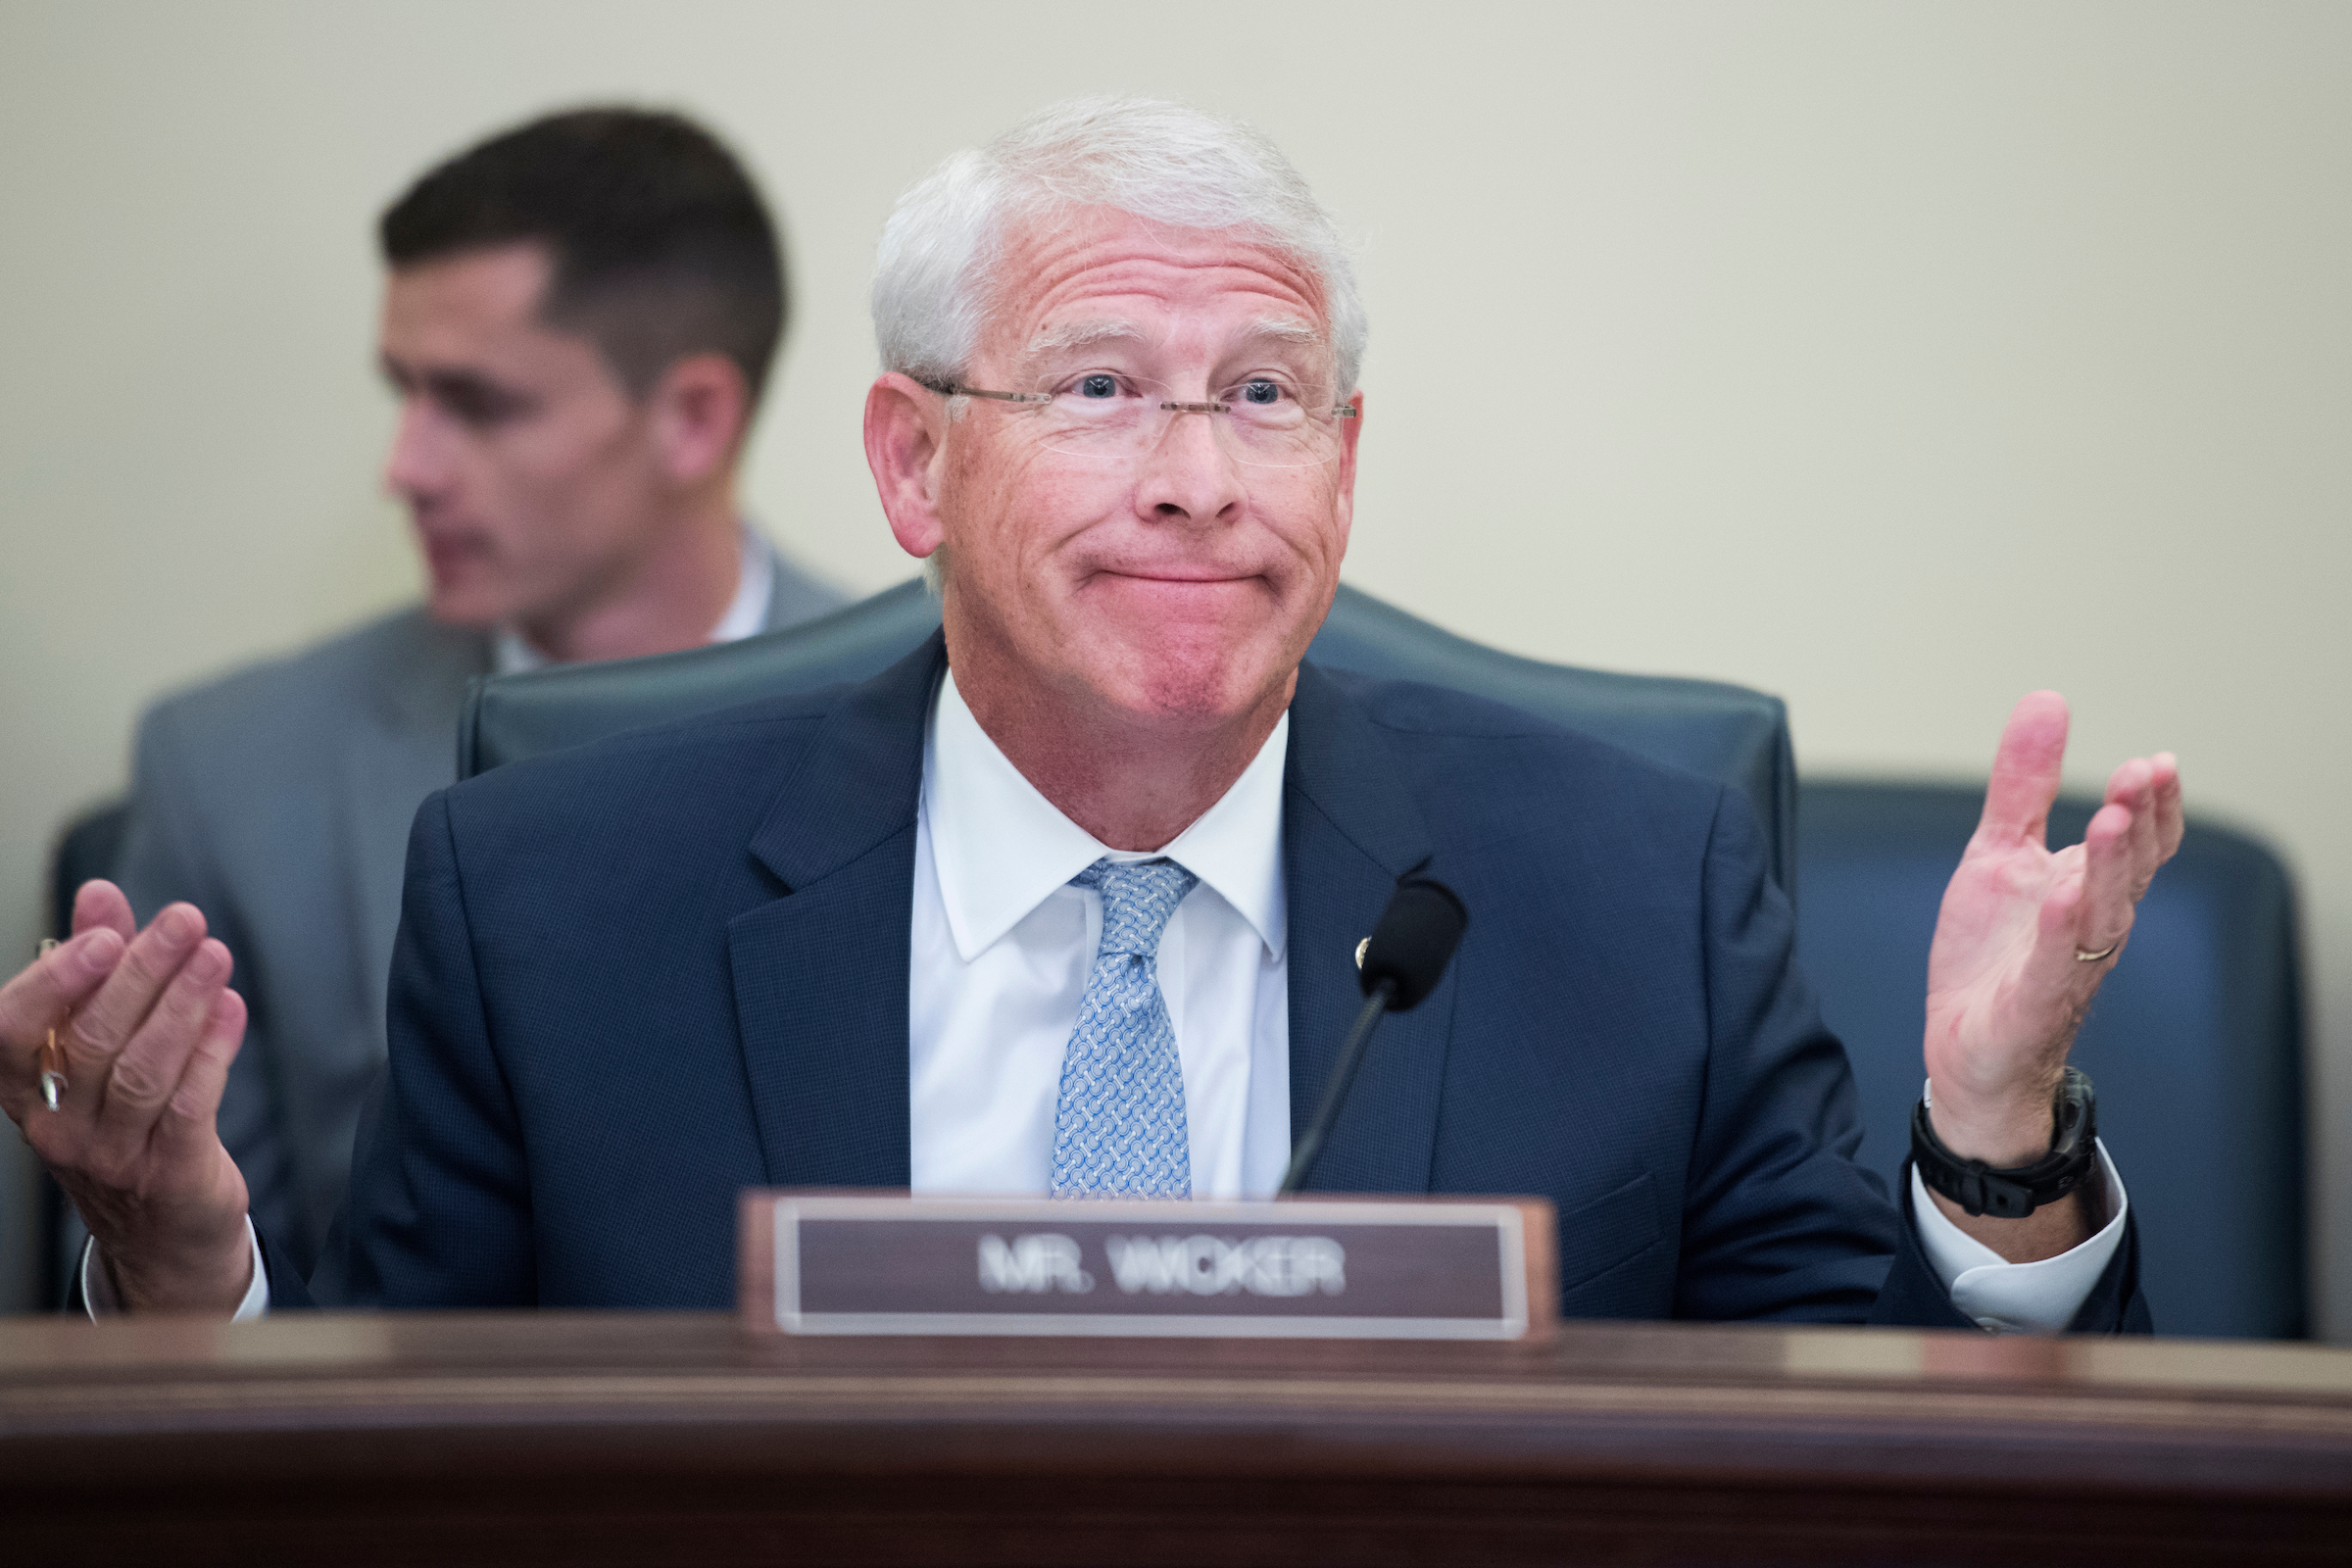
(1261, 420)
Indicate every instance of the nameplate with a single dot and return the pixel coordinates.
(1408, 1268)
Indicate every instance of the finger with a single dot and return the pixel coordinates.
(148, 1070)
(2105, 918)
(2025, 770)
(100, 903)
(2133, 787)
(37, 999)
(103, 1025)
(188, 1126)
(2171, 823)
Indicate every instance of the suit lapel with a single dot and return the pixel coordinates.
(820, 974)
(1350, 830)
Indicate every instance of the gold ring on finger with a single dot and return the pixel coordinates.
(53, 1059)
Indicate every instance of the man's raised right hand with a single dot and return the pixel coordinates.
(153, 1028)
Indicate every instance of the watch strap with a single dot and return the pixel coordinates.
(2015, 1193)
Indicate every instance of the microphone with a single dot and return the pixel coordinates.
(1400, 962)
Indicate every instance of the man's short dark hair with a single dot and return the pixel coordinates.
(660, 245)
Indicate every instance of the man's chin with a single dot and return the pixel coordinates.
(1192, 679)
(1217, 662)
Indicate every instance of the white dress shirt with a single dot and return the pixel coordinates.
(1001, 953)
(1004, 945)
(2004, 1298)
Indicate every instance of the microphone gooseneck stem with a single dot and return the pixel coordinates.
(1334, 1089)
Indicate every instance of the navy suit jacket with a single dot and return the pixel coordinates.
(637, 977)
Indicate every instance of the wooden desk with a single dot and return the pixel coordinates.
(638, 1439)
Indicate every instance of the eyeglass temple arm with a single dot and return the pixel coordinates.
(954, 389)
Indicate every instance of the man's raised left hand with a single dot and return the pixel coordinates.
(2007, 981)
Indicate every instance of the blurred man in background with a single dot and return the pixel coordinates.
(580, 316)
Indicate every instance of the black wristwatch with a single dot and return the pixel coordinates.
(2015, 1193)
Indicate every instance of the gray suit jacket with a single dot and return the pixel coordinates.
(277, 800)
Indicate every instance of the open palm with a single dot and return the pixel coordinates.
(2026, 934)
(146, 1025)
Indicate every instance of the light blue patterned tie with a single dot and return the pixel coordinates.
(1119, 1122)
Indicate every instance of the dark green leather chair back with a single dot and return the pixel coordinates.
(1719, 731)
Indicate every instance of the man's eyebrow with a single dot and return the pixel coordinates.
(400, 373)
(1285, 329)
(457, 387)
(1069, 335)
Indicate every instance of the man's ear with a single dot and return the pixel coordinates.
(700, 408)
(905, 444)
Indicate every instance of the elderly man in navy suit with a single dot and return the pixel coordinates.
(1064, 902)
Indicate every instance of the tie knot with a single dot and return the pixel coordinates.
(1138, 899)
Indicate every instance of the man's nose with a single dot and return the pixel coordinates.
(417, 465)
(1189, 473)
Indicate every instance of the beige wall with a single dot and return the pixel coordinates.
(1899, 358)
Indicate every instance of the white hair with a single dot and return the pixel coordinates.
(934, 277)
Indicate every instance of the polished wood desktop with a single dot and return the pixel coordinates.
(645, 1438)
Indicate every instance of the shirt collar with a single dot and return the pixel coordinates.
(1001, 848)
(511, 653)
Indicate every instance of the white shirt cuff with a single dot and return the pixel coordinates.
(98, 1297)
(2004, 1298)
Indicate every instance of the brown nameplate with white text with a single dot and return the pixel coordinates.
(1372, 1268)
